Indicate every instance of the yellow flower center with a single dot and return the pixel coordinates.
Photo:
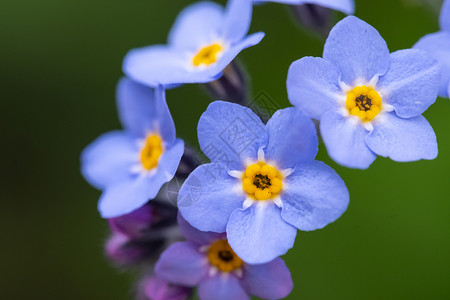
(151, 152)
(262, 181)
(223, 257)
(207, 55)
(364, 102)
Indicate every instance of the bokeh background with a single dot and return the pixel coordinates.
(59, 64)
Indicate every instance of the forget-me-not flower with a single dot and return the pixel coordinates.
(438, 45)
(345, 6)
(203, 41)
(369, 102)
(262, 183)
(206, 260)
(130, 166)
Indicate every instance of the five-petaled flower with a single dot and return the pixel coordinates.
(269, 186)
(206, 260)
(203, 41)
(369, 102)
(438, 45)
(130, 166)
(346, 6)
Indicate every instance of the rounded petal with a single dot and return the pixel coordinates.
(292, 138)
(130, 194)
(164, 65)
(208, 197)
(258, 234)
(196, 25)
(268, 281)
(108, 159)
(133, 192)
(238, 17)
(437, 44)
(170, 159)
(357, 50)
(403, 139)
(445, 16)
(143, 110)
(233, 51)
(230, 133)
(182, 264)
(314, 196)
(196, 236)
(222, 287)
(411, 83)
(313, 85)
(344, 139)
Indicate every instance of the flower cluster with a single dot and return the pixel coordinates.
(235, 215)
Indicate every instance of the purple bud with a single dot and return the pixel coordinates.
(134, 224)
(122, 251)
(156, 288)
(143, 234)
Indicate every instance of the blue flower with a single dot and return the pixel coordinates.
(345, 6)
(369, 102)
(206, 260)
(130, 166)
(203, 41)
(438, 45)
(262, 183)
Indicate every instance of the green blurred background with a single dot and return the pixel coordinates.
(59, 64)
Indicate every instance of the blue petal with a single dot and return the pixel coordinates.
(207, 197)
(182, 264)
(445, 16)
(129, 194)
(133, 192)
(196, 25)
(346, 6)
(230, 133)
(196, 236)
(237, 19)
(164, 65)
(220, 287)
(344, 139)
(108, 159)
(437, 44)
(357, 50)
(268, 281)
(292, 138)
(258, 234)
(233, 51)
(313, 86)
(411, 83)
(403, 139)
(170, 159)
(143, 110)
(314, 196)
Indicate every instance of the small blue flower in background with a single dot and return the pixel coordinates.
(438, 45)
(206, 260)
(203, 41)
(369, 102)
(345, 6)
(262, 183)
(130, 166)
